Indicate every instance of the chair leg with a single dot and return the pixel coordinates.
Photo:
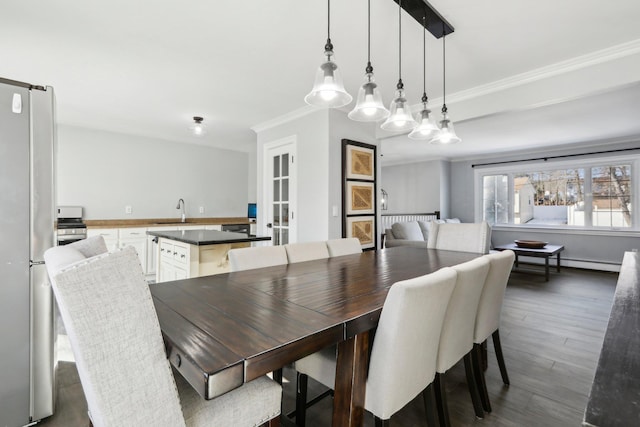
(473, 388)
(500, 357)
(274, 422)
(430, 406)
(381, 423)
(277, 376)
(476, 357)
(441, 401)
(301, 399)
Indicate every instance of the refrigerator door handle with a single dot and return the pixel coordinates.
(32, 263)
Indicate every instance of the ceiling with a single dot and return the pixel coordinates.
(146, 68)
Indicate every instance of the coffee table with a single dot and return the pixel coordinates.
(546, 252)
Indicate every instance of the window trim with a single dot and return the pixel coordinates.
(510, 170)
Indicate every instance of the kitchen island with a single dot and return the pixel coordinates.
(193, 253)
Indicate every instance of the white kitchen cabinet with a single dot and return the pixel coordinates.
(152, 249)
(217, 227)
(136, 237)
(110, 236)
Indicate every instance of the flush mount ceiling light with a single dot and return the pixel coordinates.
(369, 106)
(426, 126)
(446, 134)
(400, 118)
(197, 127)
(328, 88)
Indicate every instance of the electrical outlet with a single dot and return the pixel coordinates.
(201, 209)
(128, 210)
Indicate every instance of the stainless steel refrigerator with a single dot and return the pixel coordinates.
(27, 340)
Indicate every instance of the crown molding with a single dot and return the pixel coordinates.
(580, 62)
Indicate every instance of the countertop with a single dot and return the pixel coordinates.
(207, 237)
(160, 222)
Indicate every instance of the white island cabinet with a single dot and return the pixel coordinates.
(183, 254)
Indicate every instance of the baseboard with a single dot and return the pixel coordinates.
(574, 263)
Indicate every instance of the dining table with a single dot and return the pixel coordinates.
(224, 330)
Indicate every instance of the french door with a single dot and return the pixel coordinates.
(280, 191)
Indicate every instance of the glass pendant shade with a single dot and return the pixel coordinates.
(446, 134)
(400, 118)
(426, 127)
(328, 90)
(369, 106)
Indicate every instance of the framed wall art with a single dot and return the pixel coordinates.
(359, 192)
(362, 227)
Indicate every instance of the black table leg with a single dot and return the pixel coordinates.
(546, 268)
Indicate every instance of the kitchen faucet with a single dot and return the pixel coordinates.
(184, 216)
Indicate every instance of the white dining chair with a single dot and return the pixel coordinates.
(347, 246)
(456, 340)
(404, 350)
(306, 251)
(109, 315)
(257, 257)
(462, 237)
(488, 319)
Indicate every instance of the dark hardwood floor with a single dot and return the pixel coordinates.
(551, 335)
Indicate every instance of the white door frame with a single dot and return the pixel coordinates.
(280, 146)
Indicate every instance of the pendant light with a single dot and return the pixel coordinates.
(328, 89)
(197, 127)
(426, 126)
(369, 106)
(400, 118)
(446, 134)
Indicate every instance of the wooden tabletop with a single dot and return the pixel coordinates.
(226, 329)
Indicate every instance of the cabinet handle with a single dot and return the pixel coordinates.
(182, 256)
(175, 253)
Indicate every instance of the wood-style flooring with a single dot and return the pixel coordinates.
(551, 335)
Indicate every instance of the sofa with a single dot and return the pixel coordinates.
(449, 234)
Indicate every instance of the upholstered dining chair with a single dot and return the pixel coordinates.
(404, 350)
(488, 319)
(463, 237)
(348, 246)
(456, 340)
(257, 257)
(109, 315)
(306, 251)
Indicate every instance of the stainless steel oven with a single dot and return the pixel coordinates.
(71, 227)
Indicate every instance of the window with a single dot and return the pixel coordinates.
(595, 195)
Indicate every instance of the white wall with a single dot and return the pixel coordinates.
(105, 171)
(413, 187)
(311, 133)
(319, 137)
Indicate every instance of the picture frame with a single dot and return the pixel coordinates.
(360, 198)
(359, 192)
(360, 162)
(363, 228)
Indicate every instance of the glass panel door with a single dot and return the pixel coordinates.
(280, 218)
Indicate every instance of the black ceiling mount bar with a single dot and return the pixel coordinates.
(435, 23)
(556, 157)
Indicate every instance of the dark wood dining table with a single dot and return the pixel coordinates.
(224, 330)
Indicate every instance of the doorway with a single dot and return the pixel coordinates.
(280, 190)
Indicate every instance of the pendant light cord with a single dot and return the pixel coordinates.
(369, 31)
(328, 20)
(444, 71)
(400, 85)
(424, 59)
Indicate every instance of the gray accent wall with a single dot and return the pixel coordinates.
(415, 187)
(106, 171)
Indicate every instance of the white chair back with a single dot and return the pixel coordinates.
(403, 357)
(107, 310)
(307, 251)
(339, 247)
(459, 323)
(257, 257)
(60, 257)
(490, 306)
(463, 237)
